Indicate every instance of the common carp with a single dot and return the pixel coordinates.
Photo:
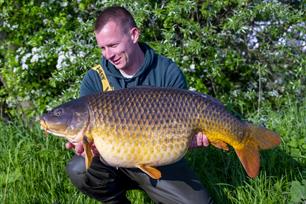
(146, 127)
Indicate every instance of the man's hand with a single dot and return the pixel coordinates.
(199, 140)
(79, 149)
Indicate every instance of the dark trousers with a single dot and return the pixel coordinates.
(178, 183)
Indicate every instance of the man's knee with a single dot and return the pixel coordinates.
(76, 171)
(100, 182)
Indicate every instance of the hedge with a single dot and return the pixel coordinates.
(245, 53)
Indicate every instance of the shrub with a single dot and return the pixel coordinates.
(244, 53)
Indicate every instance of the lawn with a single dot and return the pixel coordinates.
(32, 166)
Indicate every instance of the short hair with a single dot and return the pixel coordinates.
(115, 13)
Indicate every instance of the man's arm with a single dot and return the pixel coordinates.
(175, 77)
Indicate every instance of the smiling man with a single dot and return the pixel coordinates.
(127, 63)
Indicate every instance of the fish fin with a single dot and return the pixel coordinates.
(255, 139)
(250, 160)
(220, 144)
(88, 152)
(266, 139)
(151, 171)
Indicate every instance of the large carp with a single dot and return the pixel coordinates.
(145, 127)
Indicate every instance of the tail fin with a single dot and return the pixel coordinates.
(256, 138)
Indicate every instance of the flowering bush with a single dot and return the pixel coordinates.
(244, 53)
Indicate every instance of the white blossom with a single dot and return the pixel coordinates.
(192, 89)
(185, 58)
(281, 41)
(81, 54)
(64, 4)
(273, 93)
(24, 60)
(60, 61)
(64, 58)
(80, 20)
(35, 58)
(256, 46)
(45, 21)
(43, 4)
(192, 67)
(24, 66)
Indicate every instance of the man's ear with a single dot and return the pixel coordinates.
(135, 33)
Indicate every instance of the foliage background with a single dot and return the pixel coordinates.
(242, 52)
(248, 54)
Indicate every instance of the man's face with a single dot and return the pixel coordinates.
(117, 44)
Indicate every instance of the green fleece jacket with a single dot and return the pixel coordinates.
(156, 70)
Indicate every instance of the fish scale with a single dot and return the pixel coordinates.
(146, 127)
(145, 102)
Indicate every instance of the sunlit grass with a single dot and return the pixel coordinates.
(32, 166)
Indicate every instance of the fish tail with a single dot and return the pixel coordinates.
(255, 139)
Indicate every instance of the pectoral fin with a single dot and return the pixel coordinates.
(220, 144)
(151, 171)
(88, 152)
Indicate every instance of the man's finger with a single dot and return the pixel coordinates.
(79, 149)
(205, 141)
(199, 139)
(69, 145)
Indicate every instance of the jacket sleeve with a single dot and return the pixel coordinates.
(91, 83)
(175, 77)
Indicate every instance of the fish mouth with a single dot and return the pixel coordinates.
(47, 130)
(44, 126)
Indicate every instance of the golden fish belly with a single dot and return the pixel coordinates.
(128, 146)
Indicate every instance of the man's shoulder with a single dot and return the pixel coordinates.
(91, 73)
(163, 59)
(91, 83)
(171, 74)
(166, 64)
(159, 61)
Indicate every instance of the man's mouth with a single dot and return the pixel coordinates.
(117, 61)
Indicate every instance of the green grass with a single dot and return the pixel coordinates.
(32, 166)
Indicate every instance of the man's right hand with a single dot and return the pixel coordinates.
(79, 149)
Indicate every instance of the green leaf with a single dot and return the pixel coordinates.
(10, 177)
(298, 191)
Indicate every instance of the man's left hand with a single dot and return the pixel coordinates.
(199, 140)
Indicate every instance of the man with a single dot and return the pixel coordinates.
(128, 63)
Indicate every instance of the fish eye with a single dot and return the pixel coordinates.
(58, 112)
